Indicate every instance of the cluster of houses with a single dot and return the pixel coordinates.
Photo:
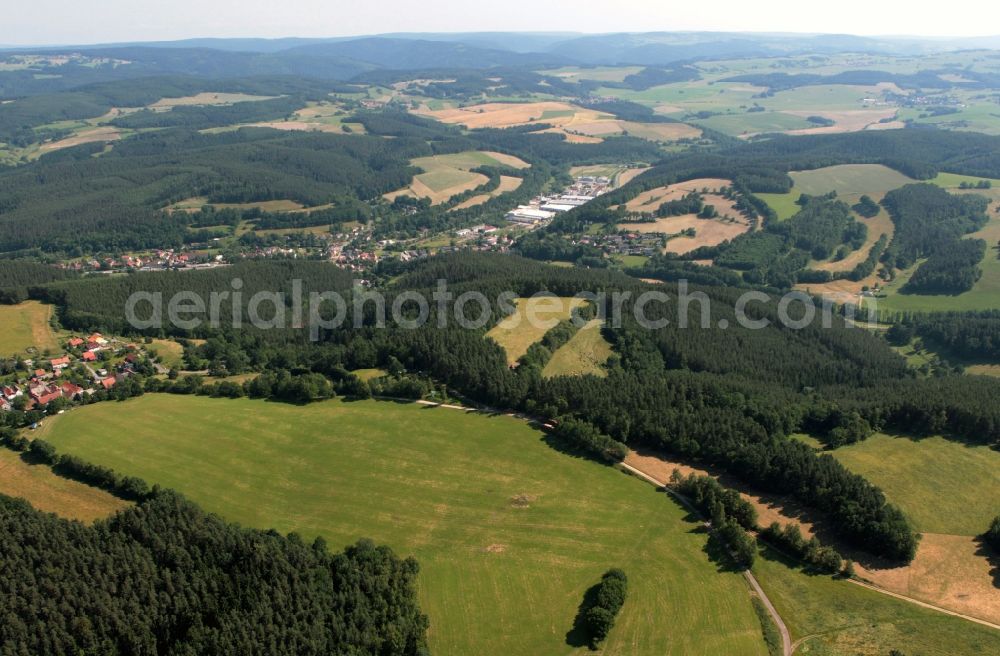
(627, 243)
(45, 385)
(153, 261)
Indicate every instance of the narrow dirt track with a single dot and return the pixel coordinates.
(786, 638)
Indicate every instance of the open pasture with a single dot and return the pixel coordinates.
(943, 486)
(508, 531)
(507, 183)
(585, 353)
(26, 325)
(50, 493)
(874, 180)
(947, 490)
(532, 319)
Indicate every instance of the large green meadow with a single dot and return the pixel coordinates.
(509, 532)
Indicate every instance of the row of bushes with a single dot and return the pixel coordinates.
(789, 538)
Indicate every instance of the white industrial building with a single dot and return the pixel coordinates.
(529, 215)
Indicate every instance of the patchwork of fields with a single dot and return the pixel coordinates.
(577, 124)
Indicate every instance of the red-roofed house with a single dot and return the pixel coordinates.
(45, 394)
(59, 363)
(40, 373)
(12, 392)
(75, 342)
(71, 390)
(108, 383)
(89, 356)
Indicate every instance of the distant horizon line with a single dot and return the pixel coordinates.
(452, 33)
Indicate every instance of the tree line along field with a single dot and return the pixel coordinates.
(509, 532)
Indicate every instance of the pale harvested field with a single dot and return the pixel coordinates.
(505, 115)
(650, 200)
(628, 175)
(839, 291)
(206, 98)
(708, 232)
(949, 571)
(50, 493)
(571, 137)
(445, 176)
(577, 124)
(299, 126)
(853, 120)
(668, 109)
(507, 183)
(83, 137)
(533, 318)
(660, 131)
(983, 370)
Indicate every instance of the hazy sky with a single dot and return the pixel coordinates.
(72, 21)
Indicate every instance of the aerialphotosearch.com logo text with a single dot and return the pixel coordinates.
(329, 310)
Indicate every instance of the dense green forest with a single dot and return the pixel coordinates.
(76, 203)
(20, 120)
(166, 578)
(969, 335)
(16, 276)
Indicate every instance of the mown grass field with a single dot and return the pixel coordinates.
(509, 532)
(754, 123)
(849, 179)
(50, 493)
(533, 318)
(833, 618)
(942, 485)
(585, 353)
(170, 353)
(25, 325)
(784, 205)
